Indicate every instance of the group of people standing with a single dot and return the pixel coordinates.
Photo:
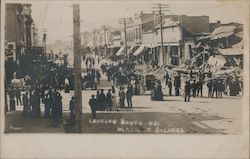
(175, 81)
(32, 99)
(109, 102)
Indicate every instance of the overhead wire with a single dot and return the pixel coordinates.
(60, 20)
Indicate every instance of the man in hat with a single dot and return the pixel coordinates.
(102, 100)
(93, 104)
(72, 110)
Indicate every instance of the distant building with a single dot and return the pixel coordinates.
(136, 26)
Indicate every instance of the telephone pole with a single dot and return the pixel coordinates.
(125, 36)
(44, 40)
(94, 39)
(77, 67)
(105, 40)
(161, 8)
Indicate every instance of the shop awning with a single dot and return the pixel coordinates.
(151, 46)
(139, 50)
(238, 45)
(120, 51)
(222, 35)
(130, 50)
(92, 48)
(222, 32)
(170, 44)
(231, 52)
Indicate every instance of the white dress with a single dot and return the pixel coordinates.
(114, 102)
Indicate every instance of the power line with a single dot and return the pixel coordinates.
(60, 19)
(44, 15)
(55, 22)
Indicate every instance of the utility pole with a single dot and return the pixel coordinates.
(105, 41)
(161, 8)
(95, 41)
(44, 40)
(125, 37)
(77, 67)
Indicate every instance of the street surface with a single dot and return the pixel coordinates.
(171, 116)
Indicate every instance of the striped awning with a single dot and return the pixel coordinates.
(139, 50)
(121, 51)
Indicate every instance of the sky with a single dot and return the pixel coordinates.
(56, 16)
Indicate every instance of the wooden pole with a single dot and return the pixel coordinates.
(162, 55)
(77, 67)
(125, 40)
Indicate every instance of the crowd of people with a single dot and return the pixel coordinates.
(194, 85)
(121, 76)
(31, 101)
(109, 101)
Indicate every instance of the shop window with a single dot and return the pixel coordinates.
(174, 55)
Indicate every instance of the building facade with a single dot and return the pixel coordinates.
(179, 33)
(18, 30)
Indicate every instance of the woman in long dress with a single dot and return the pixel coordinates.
(114, 102)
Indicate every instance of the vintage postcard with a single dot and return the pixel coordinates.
(118, 75)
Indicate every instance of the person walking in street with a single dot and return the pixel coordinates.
(86, 63)
(220, 88)
(177, 84)
(133, 84)
(12, 100)
(97, 98)
(56, 110)
(72, 109)
(37, 104)
(191, 74)
(199, 88)
(98, 60)
(166, 78)
(98, 77)
(114, 101)
(66, 85)
(113, 89)
(170, 86)
(93, 104)
(194, 88)
(47, 106)
(121, 97)
(109, 101)
(93, 63)
(33, 103)
(187, 91)
(60, 105)
(18, 96)
(25, 104)
(210, 88)
(129, 95)
(215, 88)
(102, 100)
